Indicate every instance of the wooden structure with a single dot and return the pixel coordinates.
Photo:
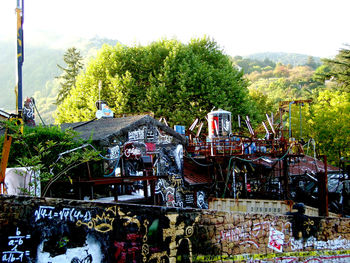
(140, 151)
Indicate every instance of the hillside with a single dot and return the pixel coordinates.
(284, 58)
(39, 67)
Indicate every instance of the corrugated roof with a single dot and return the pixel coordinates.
(308, 164)
(197, 179)
(196, 172)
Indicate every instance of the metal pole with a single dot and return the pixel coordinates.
(323, 189)
(290, 119)
(20, 54)
(234, 180)
(301, 125)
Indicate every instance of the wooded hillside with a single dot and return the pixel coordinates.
(169, 77)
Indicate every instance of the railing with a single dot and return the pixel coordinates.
(237, 146)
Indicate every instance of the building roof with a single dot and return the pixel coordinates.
(197, 179)
(196, 172)
(297, 166)
(105, 129)
(308, 164)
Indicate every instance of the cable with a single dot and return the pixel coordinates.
(55, 178)
(85, 145)
(200, 164)
(307, 151)
(38, 112)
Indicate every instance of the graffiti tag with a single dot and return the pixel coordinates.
(14, 254)
(276, 240)
(66, 214)
(136, 135)
(101, 223)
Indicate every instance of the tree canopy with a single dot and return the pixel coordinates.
(177, 81)
(328, 123)
(340, 69)
(41, 148)
(73, 60)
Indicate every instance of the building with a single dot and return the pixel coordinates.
(144, 156)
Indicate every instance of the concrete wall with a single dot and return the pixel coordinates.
(54, 230)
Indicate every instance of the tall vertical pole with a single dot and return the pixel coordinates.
(20, 55)
(323, 189)
(301, 124)
(285, 180)
(290, 119)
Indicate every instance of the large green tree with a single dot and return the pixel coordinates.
(73, 60)
(339, 69)
(328, 122)
(171, 79)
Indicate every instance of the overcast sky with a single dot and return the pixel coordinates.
(240, 27)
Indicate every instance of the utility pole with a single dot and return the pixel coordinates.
(323, 189)
(20, 55)
(19, 101)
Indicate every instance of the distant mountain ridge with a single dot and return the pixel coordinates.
(283, 57)
(39, 67)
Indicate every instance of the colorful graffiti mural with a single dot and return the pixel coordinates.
(53, 230)
(148, 151)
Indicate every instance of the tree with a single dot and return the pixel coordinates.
(39, 148)
(178, 81)
(262, 104)
(73, 60)
(311, 62)
(328, 122)
(340, 69)
(322, 73)
(281, 70)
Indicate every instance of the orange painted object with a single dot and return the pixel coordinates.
(5, 156)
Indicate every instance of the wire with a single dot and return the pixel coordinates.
(88, 144)
(200, 164)
(38, 112)
(307, 151)
(55, 178)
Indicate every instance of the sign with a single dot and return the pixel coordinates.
(107, 112)
(104, 112)
(276, 240)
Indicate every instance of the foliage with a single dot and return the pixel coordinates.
(285, 83)
(39, 70)
(174, 80)
(40, 148)
(322, 73)
(45, 102)
(312, 63)
(263, 104)
(287, 58)
(39, 67)
(73, 60)
(327, 119)
(339, 69)
(253, 65)
(328, 122)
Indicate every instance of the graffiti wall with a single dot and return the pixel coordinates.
(149, 144)
(56, 230)
(149, 151)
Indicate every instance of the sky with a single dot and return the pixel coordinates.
(240, 27)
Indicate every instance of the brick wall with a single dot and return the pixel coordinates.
(56, 230)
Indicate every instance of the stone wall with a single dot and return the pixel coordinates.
(56, 230)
